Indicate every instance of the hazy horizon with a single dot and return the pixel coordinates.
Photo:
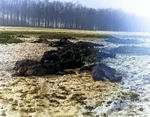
(139, 7)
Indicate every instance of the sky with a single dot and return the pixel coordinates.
(139, 7)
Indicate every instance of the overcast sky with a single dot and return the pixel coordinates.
(139, 7)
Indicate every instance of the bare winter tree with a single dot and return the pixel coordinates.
(56, 14)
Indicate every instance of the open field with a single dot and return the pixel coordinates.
(36, 32)
(25, 29)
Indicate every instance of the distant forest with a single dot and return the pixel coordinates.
(67, 15)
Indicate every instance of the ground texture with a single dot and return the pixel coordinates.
(48, 96)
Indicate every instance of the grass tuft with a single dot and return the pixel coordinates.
(7, 38)
(134, 97)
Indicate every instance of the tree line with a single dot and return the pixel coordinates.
(67, 15)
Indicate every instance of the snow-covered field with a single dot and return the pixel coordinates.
(48, 95)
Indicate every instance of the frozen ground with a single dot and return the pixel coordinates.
(49, 95)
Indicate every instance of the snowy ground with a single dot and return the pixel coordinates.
(49, 95)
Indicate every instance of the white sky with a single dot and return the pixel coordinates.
(139, 7)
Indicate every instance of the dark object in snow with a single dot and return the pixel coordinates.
(25, 62)
(42, 40)
(29, 68)
(101, 72)
(70, 55)
(67, 56)
(60, 43)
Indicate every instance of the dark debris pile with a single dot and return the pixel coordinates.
(67, 56)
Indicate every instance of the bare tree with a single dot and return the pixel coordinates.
(56, 14)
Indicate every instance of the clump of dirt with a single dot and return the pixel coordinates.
(53, 95)
(22, 36)
(41, 41)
